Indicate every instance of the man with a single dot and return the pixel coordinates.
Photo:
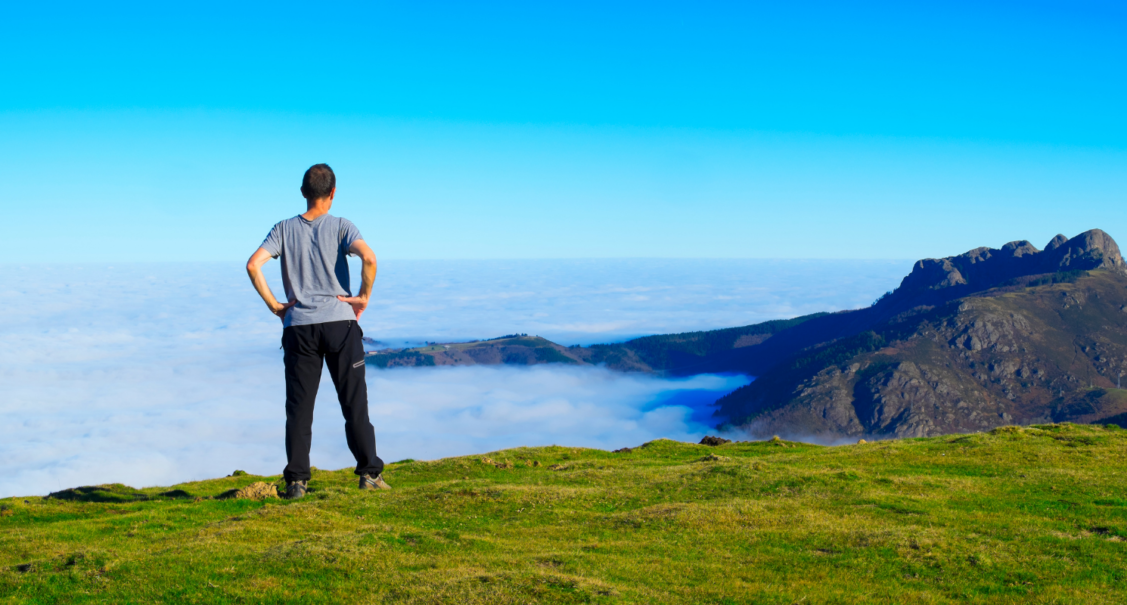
(321, 326)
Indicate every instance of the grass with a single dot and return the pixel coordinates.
(1017, 515)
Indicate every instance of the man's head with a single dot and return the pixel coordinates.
(318, 183)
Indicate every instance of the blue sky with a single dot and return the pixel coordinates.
(523, 130)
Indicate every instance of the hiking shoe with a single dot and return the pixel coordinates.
(296, 489)
(370, 482)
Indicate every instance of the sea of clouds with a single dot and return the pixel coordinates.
(153, 374)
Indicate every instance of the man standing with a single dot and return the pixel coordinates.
(321, 326)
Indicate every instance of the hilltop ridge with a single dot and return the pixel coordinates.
(1019, 514)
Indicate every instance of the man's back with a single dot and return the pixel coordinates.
(314, 266)
(322, 326)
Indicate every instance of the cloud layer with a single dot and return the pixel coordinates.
(156, 374)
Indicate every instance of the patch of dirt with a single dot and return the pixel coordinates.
(714, 441)
(255, 491)
(501, 465)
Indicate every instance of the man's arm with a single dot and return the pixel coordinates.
(254, 269)
(360, 301)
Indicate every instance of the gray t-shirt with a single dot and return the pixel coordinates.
(314, 267)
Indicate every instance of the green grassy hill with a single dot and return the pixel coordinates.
(509, 350)
(1017, 515)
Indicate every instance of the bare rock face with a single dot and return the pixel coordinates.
(1000, 333)
(912, 400)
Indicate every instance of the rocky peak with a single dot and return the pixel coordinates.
(1055, 242)
(984, 268)
(1090, 250)
(1019, 248)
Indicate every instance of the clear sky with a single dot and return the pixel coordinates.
(160, 131)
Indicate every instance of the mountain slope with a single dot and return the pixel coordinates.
(966, 343)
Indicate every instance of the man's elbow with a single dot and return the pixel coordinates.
(254, 265)
(368, 258)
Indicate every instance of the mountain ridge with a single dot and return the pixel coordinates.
(965, 343)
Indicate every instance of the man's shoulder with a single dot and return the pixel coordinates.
(340, 224)
(326, 221)
(288, 221)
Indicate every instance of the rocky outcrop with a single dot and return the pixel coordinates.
(1090, 250)
(985, 268)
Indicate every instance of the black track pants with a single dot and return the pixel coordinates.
(337, 344)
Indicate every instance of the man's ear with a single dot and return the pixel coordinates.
(332, 193)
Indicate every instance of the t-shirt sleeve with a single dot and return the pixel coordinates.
(273, 241)
(349, 235)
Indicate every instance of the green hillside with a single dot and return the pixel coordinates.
(515, 349)
(1017, 515)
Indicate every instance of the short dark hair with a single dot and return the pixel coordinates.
(319, 182)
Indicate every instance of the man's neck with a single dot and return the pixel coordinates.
(316, 210)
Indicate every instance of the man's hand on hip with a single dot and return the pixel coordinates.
(280, 309)
(359, 303)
